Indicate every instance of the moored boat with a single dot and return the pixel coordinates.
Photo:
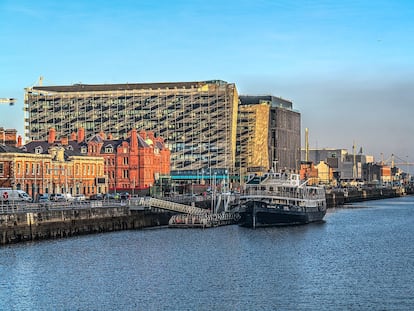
(276, 199)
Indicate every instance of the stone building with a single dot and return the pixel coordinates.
(50, 169)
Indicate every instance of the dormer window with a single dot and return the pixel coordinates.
(38, 150)
(109, 149)
(70, 147)
(84, 149)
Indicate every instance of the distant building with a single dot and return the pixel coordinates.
(345, 166)
(325, 173)
(378, 173)
(279, 145)
(309, 172)
(8, 137)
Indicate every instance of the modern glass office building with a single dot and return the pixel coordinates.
(198, 120)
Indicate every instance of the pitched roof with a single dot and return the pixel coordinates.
(10, 149)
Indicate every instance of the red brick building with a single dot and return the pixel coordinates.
(309, 172)
(8, 137)
(131, 164)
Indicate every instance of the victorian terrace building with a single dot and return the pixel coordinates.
(129, 165)
(50, 169)
(64, 168)
(133, 164)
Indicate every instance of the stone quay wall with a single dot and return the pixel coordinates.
(24, 225)
(344, 196)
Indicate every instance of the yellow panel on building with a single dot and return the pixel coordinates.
(253, 138)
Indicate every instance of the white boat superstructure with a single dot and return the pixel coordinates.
(281, 198)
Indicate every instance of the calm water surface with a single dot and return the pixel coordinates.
(360, 258)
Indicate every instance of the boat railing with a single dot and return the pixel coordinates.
(280, 193)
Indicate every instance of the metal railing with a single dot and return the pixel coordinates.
(171, 206)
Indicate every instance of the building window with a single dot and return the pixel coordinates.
(27, 168)
(38, 149)
(109, 149)
(125, 173)
(18, 168)
(125, 161)
(1, 168)
(84, 150)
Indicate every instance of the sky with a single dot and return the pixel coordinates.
(347, 66)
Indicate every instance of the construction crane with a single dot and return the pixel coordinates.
(10, 101)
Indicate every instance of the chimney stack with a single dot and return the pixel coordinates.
(81, 134)
(19, 141)
(52, 136)
(134, 140)
(64, 141)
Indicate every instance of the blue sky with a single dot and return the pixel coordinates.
(348, 66)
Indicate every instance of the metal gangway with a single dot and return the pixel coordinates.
(171, 206)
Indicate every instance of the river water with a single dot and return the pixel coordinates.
(360, 258)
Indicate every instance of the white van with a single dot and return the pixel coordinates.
(10, 195)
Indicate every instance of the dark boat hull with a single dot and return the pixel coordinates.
(256, 214)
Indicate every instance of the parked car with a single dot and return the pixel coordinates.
(97, 196)
(68, 197)
(43, 198)
(79, 197)
(111, 196)
(124, 196)
(57, 197)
